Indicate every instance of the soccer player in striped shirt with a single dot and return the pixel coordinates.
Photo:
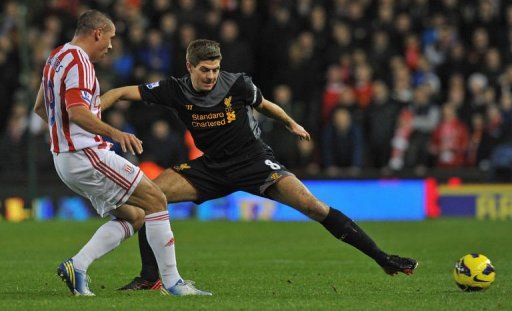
(69, 100)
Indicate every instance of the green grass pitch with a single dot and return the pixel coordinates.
(262, 265)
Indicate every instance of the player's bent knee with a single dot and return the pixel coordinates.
(149, 197)
(156, 201)
(139, 220)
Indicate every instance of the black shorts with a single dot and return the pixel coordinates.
(217, 179)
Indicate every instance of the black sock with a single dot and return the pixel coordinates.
(343, 228)
(149, 270)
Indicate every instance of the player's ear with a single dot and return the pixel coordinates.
(189, 67)
(97, 34)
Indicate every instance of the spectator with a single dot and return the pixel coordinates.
(156, 55)
(424, 121)
(13, 142)
(187, 33)
(480, 143)
(123, 61)
(341, 42)
(477, 85)
(319, 28)
(480, 44)
(236, 53)
(211, 27)
(249, 21)
(169, 27)
(277, 136)
(164, 145)
(332, 93)
(380, 53)
(493, 67)
(450, 140)
(457, 99)
(306, 158)
(363, 85)
(342, 143)
(382, 115)
(400, 141)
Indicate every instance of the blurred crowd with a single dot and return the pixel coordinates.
(384, 84)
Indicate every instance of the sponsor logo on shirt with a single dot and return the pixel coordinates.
(152, 85)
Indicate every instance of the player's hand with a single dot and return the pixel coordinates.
(298, 130)
(128, 142)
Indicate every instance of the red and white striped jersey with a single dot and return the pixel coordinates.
(68, 80)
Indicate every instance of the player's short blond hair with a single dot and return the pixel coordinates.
(202, 49)
(91, 20)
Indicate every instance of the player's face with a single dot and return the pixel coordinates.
(103, 42)
(204, 75)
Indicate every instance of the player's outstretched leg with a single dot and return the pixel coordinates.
(343, 228)
(291, 191)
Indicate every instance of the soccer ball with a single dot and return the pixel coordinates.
(474, 272)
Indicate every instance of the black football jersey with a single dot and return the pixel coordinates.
(221, 121)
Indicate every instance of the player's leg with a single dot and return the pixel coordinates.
(291, 191)
(160, 237)
(176, 189)
(157, 229)
(91, 177)
(128, 219)
(109, 236)
(191, 181)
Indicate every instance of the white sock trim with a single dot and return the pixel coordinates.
(127, 227)
(163, 215)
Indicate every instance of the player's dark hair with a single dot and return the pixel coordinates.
(202, 49)
(91, 20)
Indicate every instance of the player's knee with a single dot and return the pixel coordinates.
(157, 201)
(138, 220)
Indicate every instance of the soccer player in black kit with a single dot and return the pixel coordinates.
(217, 107)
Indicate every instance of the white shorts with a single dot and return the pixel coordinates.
(100, 175)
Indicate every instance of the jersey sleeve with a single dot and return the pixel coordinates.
(81, 75)
(159, 92)
(78, 97)
(79, 82)
(252, 94)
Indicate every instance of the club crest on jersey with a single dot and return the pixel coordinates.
(128, 168)
(230, 114)
(86, 96)
(153, 85)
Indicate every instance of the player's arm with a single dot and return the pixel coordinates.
(275, 112)
(124, 93)
(79, 113)
(39, 107)
(81, 116)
